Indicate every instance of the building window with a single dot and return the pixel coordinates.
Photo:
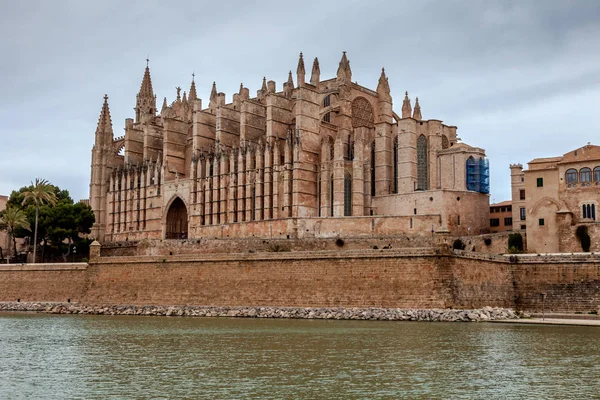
(597, 174)
(422, 181)
(523, 227)
(347, 195)
(522, 213)
(522, 179)
(373, 168)
(541, 221)
(327, 117)
(331, 196)
(509, 208)
(571, 176)
(585, 175)
(540, 182)
(508, 221)
(589, 211)
(327, 101)
(495, 222)
(445, 143)
(395, 167)
(492, 210)
(522, 194)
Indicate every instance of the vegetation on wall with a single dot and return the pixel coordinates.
(584, 237)
(515, 243)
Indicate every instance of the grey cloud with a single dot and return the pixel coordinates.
(516, 77)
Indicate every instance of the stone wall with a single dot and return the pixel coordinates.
(406, 278)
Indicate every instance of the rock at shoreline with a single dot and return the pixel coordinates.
(381, 314)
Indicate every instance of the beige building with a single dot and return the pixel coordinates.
(561, 195)
(315, 158)
(501, 217)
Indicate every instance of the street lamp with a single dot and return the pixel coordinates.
(74, 252)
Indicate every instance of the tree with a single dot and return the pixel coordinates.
(60, 224)
(39, 193)
(11, 219)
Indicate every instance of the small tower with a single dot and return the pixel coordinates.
(100, 170)
(344, 72)
(300, 71)
(417, 112)
(145, 105)
(406, 107)
(315, 75)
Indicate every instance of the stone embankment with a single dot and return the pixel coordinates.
(381, 314)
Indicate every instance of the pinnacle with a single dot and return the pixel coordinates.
(104, 121)
(146, 87)
(193, 95)
(300, 68)
(213, 92)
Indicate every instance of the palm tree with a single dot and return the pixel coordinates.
(42, 192)
(11, 219)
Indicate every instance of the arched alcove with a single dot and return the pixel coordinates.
(177, 220)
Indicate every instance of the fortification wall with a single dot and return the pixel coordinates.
(407, 278)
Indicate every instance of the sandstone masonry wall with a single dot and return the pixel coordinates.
(403, 278)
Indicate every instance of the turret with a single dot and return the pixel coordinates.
(315, 75)
(406, 108)
(300, 72)
(417, 113)
(344, 72)
(146, 101)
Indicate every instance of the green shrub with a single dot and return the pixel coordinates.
(515, 242)
(458, 245)
(584, 237)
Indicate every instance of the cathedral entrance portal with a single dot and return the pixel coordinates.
(177, 222)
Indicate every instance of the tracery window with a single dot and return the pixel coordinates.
(347, 195)
(445, 142)
(327, 101)
(422, 181)
(362, 113)
(571, 176)
(327, 117)
(585, 175)
(331, 196)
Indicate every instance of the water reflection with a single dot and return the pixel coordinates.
(48, 356)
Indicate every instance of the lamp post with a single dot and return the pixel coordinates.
(74, 252)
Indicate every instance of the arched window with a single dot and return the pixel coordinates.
(585, 175)
(373, 168)
(422, 181)
(347, 195)
(445, 143)
(571, 176)
(395, 166)
(589, 211)
(327, 101)
(331, 196)
(331, 149)
(597, 174)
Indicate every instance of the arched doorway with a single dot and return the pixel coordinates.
(177, 226)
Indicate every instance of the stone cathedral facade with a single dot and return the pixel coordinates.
(318, 158)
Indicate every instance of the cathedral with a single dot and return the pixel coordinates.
(315, 158)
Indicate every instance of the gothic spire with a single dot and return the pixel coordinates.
(146, 101)
(164, 106)
(417, 113)
(213, 92)
(290, 81)
(315, 75)
(406, 108)
(193, 95)
(264, 85)
(344, 71)
(105, 122)
(300, 71)
(184, 101)
(383, 87)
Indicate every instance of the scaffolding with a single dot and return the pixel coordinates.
(478, 175)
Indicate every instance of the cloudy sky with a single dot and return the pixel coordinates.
(519, 78)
